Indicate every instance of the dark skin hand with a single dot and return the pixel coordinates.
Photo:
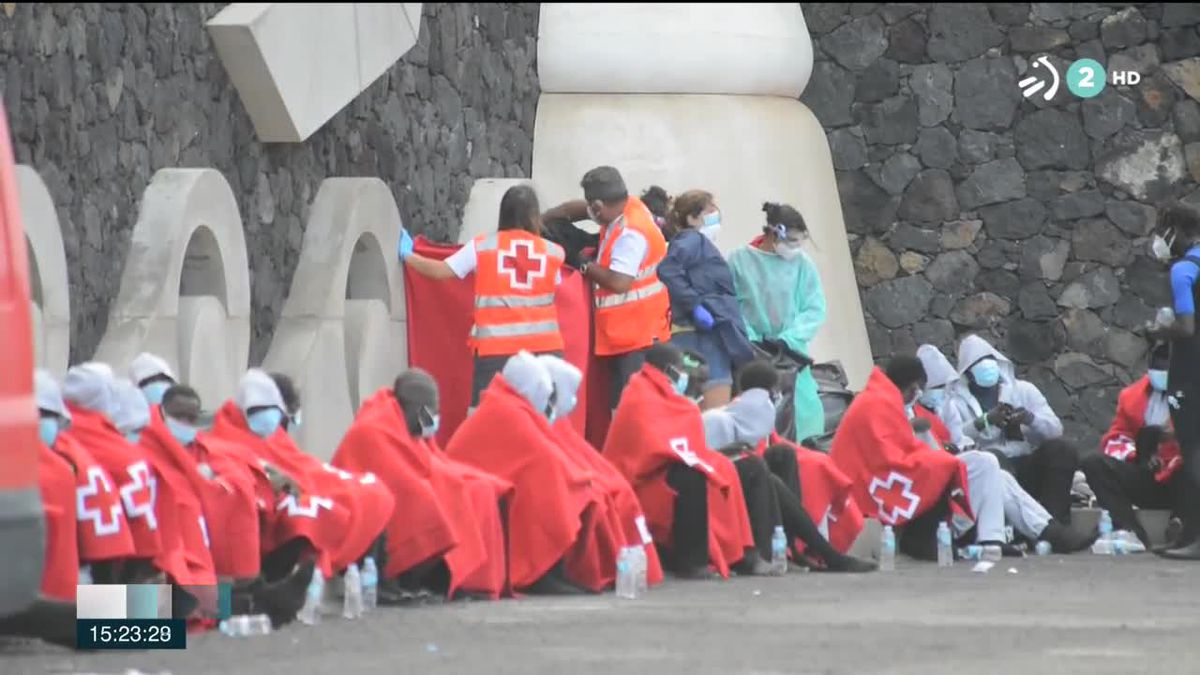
(1184, 327)
(574, 211)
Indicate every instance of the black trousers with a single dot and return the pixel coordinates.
(1047, 473)
(621, 368)
(762, 501)
(1119, 486)
(487, 367)
(689, 530)
(784, 506)
(1186, 420)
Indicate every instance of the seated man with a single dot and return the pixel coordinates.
(1140, 460)
(558, 524)
(736, 430)
(1011, 419)
(897, 478)
(1028, 518)
(446, 535)
(690, 494)
(623, 503)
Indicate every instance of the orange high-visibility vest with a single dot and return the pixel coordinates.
(516, 276)
(633, 320)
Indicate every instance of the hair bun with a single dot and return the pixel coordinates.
(767, 206)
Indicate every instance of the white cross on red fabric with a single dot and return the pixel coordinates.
(895, 497)
(97, 484)
(140, 494)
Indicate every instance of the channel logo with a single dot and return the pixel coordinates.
(1035, 83)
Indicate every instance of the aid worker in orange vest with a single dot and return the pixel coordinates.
(516, 275)
(632, 305)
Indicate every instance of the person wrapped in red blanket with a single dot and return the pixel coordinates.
(447, 533)
(897, 477)
(623, 503)
(89, 390)
(690, 494)
(560, 537)
(1140, 459)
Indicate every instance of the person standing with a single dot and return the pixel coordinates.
(1178, 240)
(517, 273)
(780, 294)
(704, 306)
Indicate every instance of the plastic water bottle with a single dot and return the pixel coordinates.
(779, 547)
(641, 583)
(1165, 317)
(352, 595)
(887, 550)
(370, 584)
(85, 575)
(310, 613)
(945, 546)
(626, 589)
(1106, 525)
(1043, 548)
(992, 553)
(244, 625)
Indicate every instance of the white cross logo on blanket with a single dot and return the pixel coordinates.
(895, 497)
(293, 508)
(681, 448)
(141, 494)
(97, 483)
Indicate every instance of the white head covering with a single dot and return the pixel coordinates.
(133, 413)
(567, 379)
(530, 378)
(938, 370)
(90, 385)
(749, 418)
(146, 365)
(257, 390)
(49, 395)
(972, 348)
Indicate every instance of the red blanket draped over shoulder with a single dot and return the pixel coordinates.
(655, 428)
(56, 480)
(896, 476)
(224, 491)
(624, 508)
(440, 315)
(135, 477)
(1130, 418)
(103, 532)
(443, 508)
(827, 494)
(312, 515)
(554, 511)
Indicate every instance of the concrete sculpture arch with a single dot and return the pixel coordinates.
(718, 113)
(49, 285)
(185, 289)
(342, 332)
(482, 210)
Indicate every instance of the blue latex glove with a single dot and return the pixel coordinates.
(703, 318)
(405, 248)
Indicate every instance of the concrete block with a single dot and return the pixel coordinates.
(482, 211)
(289, 86)
(49, 285)
(672, 48)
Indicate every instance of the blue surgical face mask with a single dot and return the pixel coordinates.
(1158, 380)
(986, 373)
(298, 419)
(430, 430)
(711, 225)
(48, 428)
(154, 391)
(909, 411)
(184, 433)
(933, 398)
(264, 423)
(134, 437)
(681, 384)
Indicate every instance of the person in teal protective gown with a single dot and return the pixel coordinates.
(780, 294)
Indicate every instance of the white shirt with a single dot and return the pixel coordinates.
(628, 252)
(464, 261)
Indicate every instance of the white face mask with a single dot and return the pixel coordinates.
(1160, 247)
(787, 251)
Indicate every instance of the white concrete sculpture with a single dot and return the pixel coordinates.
(185, 289)
(296, 65)
(480, 215)
(342, 333)
(727, 121)
(49, 286)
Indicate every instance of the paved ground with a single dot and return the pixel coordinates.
(1079, 614)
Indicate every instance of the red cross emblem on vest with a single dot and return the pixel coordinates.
(895, 497)
(521, 264)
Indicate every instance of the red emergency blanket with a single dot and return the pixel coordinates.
(60, 571)
(101, 526)
(1130, 418)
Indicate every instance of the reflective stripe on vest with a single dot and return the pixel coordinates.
(514, 330)
(499, 301)
(619, 299)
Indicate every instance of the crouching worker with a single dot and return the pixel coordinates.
(560, 538)
(1140, 462)
(735, 431)
(446, 535)
(691, 495)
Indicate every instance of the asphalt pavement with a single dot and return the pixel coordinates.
(1059, 614)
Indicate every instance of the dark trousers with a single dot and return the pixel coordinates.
(783, 482)
(622, 367)
(1119, 486)
(689, 531)
(1186, 420)
(1047, 473)
(487, 367)
(762, 502)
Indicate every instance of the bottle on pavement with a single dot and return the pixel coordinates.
(370, 584)
(887, 550)
(641, 583)
(244, 625)
(779, 547)
(310, 613)
(626, 588)
(352, 595)
(945, 545)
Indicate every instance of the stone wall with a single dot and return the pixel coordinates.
(100, 96)
(973, 209)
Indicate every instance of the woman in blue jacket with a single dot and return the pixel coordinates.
(704, 306)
